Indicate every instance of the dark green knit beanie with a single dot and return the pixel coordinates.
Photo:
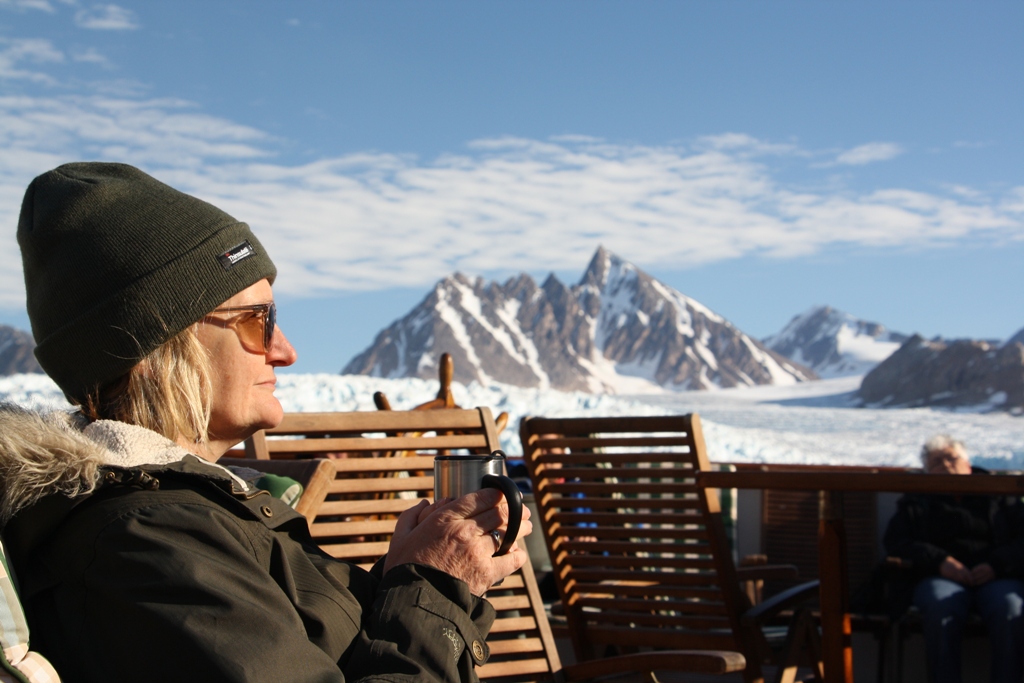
(116, 263)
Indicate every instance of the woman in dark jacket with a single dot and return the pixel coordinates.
(139, 557)
(963, 553)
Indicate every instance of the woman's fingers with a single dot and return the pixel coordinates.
(428, 510)
(410, 519)
(510, 562)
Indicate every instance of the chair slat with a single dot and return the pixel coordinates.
(350, 550)
(381, 484)
(649, 490)
(696, 578)
(712, 594)
(599, 441)
(409, 463)
(677, 609)
(378, 421)
(617, 459)
(515, 646)
(655, 620)
(696, 536)
(637, 563)
(515, 667)
(355, 444)
(359, 528)
(623, 504)
(388, 506)
(509, 602)
(514, 625)
(607, 518)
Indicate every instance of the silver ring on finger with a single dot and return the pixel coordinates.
(496, 535)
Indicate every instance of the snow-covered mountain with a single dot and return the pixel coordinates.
(618, 331)
(16, 351)
(834, 343)
(962, 372)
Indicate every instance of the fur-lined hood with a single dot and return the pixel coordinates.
(61, 452)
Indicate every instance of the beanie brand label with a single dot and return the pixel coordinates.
(235, 254)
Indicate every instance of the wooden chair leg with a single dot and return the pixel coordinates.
(803, 644)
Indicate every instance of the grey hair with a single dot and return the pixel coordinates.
(941, 442)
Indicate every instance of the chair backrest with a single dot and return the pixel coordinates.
(639, 551)
(357, 519)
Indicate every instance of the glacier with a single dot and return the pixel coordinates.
(805, 423)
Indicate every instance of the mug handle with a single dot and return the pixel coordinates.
(515, 507)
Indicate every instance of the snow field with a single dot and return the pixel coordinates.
(809, 423)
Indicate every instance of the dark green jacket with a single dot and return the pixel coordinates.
(175, 573)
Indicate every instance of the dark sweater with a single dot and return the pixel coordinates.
(927, 529)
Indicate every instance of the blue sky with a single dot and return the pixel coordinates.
(760, 157)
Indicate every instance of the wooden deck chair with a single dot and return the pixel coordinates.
(358, 518)
(639, 552)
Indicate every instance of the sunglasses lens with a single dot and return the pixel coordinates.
(250, 332)
(254, 326)
(269, 324)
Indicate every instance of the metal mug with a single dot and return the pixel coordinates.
(457, 475)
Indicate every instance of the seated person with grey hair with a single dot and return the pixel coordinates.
(964, 553)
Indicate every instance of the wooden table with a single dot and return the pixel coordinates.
(835, 619)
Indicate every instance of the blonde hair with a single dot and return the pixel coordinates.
(167, 392)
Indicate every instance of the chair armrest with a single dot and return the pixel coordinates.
(692, 661)
(767, 572)
(898, 563)
(780, 601)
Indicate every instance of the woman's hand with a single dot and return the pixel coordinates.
(455, 537)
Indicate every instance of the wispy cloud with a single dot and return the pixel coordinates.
(869, 153)
(90, 55)
(107, 18)
(18, 54)
(376, 220)
(42, 5)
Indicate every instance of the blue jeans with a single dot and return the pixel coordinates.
(944, 606)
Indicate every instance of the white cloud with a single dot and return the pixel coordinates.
(107, 18)
(92, 56)
(42, 5)
(374, 220)
(869, 153)
(17, 52)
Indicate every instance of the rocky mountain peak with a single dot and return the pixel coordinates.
(16, 355)
(962, 372)
(834, 343)
(618, 330)
(1017, 338)
(596, 274)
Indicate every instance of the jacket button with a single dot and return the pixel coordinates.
(267, 512)
(478, 650)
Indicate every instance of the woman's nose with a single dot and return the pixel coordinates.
(281, 353)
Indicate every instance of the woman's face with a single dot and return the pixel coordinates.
(242, 375)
